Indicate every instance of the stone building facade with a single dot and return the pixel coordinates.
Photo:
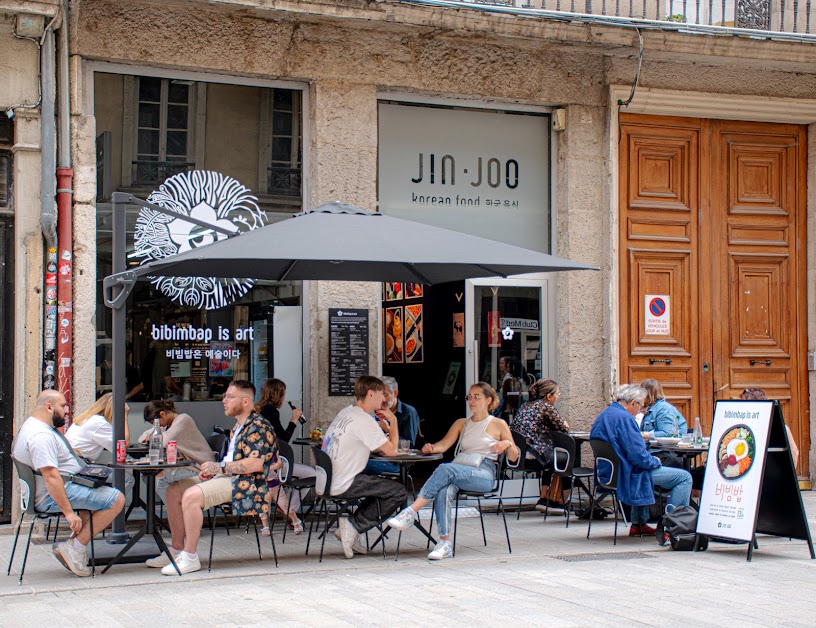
(345, 58)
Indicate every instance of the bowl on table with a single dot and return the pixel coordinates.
(666, 441)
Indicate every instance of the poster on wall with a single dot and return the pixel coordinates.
(494, 337)
(348, 349)
(458, 329)
(393, 335)
(220, 365)
(413, 290)
(657, 315)
(450, 380)
(733, 475)
(393, 291)
(414, 346)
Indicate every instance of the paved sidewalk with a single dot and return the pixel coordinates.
(555, 576)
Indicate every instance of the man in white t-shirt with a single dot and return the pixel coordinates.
(41, 447)
(349, 441)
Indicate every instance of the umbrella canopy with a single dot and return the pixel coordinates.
(338, 241)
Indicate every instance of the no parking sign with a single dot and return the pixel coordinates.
(657, 314)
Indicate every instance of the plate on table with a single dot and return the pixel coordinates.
(666, 441)
(408, 452)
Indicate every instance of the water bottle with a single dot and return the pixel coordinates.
(676, 427)
(698, 432)
(156, 443)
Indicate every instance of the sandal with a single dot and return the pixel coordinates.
(296, 526)
(265, 531)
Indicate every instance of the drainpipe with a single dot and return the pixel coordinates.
(64, 179)
(48, 217)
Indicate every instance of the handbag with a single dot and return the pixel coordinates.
(469, 459)
(92, 476)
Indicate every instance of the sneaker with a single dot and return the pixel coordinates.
(663, 542)
(549, 506)
(348, 536)
(74, 560)
(184, 563)
(402, 520)
(443, 549)
(157, 562)
(357, 548)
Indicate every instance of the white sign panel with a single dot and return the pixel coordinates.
(526, 324)
(657, 314)
(480, 172)
(736, 458)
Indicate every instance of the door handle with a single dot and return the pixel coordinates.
(755, 362)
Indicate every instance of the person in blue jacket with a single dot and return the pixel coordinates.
(662, 419)
(639, 471)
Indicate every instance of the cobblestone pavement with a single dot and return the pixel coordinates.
(554, 576)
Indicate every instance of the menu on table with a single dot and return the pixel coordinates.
(348, 349)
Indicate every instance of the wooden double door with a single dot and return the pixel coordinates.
(712, 263)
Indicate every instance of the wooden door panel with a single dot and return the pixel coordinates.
(760, 322)
(757, 175)
(659, 170)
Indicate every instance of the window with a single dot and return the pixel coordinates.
(5, 179)
(163, 138)
(284, 170)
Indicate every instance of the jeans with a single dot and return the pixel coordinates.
(677, 480)
(375, 467)
(447, 480)
(370, 488)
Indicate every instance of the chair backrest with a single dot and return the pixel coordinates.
(28, 487)
(287, 457)
(216, 443)
(323, 467)
(606, 456)
(521, 442)
(563, 453)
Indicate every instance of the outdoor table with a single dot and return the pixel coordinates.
(304, 441)
(580, 437)
(149, 471)
(136, 451)
(405, 460)
(687, 453)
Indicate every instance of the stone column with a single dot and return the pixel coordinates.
(343, 151)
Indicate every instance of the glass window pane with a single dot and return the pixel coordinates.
(178, 93)
(176, 143)
(282, 99)
(148, 142)
(149, 89)
(177, 116)
(281, 123)
(281, 149)
(149, 115)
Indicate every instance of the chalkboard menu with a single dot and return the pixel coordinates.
(348, 349)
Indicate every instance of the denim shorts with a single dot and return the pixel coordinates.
(83, 498)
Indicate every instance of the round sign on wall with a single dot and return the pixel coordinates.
(207, 196)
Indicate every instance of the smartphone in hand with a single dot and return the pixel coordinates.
(301, 420)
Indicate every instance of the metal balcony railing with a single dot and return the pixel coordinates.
(150, 172)
(283, 181)
(772, 19)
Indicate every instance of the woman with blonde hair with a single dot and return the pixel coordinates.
(480, 440)
(91, 431)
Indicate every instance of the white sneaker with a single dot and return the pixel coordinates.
(74, 560)
(184, 563)
(348, 536)
(402, 520)
(443, 549)
(157, 562)
(357, 548)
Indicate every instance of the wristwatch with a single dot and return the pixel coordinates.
(224, 465)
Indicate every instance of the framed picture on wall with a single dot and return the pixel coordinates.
(414, 350)
(393, 335)
(393, 291)
(413, 290)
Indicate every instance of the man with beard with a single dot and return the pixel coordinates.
(40, 446)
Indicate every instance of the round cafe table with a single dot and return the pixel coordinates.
(149, 471)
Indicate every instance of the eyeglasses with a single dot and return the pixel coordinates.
(474, 397)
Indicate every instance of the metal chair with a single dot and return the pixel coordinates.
(287, 456)
(27, 492)
(521, 442)
(605, 454)
(323, 467)
(563, 466)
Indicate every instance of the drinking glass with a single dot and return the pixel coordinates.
(404, 443)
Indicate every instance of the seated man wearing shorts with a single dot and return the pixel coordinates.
(40, 446)
(239, 479)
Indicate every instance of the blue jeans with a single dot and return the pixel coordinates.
(676, 480)
(447, 480)
(375, 467)
(83, 498)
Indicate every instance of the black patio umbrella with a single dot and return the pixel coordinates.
(338, 241)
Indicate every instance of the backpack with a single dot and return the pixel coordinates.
(681, 526)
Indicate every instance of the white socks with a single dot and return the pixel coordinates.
(78, 545)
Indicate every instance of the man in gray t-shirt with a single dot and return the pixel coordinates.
(40, 446)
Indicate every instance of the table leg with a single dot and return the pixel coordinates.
(134, 539)
(136, 493)
(150, 520)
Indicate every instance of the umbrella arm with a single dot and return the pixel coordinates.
(116, 288)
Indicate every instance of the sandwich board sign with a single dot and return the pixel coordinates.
(750, 483)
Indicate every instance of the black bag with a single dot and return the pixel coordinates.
(92, 476)
(681, 526)
(597, 513)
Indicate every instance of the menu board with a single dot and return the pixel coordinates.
(348, 349)
(734, 470)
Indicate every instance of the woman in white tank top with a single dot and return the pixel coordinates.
(479, 441)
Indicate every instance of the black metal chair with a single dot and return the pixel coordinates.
(605, 454)
(521, 442)
(27, 491)
(287, 456)
(564, 450)
(323, 467)
(494, 493)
